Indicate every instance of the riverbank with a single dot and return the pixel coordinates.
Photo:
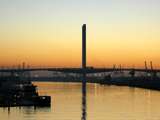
(140, 82)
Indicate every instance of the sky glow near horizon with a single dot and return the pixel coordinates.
(48, 32)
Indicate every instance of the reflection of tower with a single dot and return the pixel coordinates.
(84, 72)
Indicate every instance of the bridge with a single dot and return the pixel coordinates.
(79, 70)
(84, 69)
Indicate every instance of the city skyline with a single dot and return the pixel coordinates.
(48, 33)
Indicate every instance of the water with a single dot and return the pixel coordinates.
(102, 103)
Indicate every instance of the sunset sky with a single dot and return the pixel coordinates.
(48, 32)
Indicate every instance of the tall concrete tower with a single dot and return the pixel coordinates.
(84, 46)
(84, 113)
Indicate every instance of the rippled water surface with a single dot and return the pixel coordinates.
(103, 103)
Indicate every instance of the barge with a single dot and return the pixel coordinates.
(20, 93)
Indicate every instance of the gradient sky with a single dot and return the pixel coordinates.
(48, 32)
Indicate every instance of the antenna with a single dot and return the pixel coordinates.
(145, 65)
(23, 65)
(151, 65)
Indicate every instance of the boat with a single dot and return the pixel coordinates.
(17, 92)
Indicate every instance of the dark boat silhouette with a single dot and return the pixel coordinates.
(20, 93)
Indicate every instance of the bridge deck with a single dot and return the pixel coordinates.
(79, 70)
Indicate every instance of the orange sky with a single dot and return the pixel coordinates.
(48, 34)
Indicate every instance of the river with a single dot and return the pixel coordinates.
(102, 103)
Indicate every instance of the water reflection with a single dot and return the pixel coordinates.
(84, 113)
(29, 110)
(8, 110)
(93, 102)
